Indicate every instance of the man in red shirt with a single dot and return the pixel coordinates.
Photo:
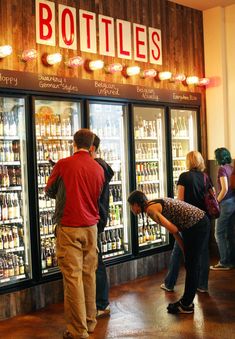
(76, 183)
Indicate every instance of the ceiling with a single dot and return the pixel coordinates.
(204, 4)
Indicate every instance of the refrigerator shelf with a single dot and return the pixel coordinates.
(10, 163)
(147, 160)
(10, 250)
(180, 138)
(108, 228)
(148, 182)
(178, 158)
(43, 162)
(115, 182)
(12, 221)
(11, 188)
(146, 138)
(55, 138)
(51, 270)
(47, 236)
(114, 254)
(46, 209)
(150, 242)
(116, 203)
(2, 137)
(17, 277)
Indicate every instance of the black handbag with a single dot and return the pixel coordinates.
(210, 200)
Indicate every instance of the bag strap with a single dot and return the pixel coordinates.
(205, 179)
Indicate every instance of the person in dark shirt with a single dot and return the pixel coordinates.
(102, 288)
(191, 189)
(225, 225)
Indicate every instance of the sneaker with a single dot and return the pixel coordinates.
(202, 290)
(178, 307)
(220, 267)
(68, 335)
(103, 313)
(163, 286)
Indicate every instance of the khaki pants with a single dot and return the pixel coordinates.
(77, 258)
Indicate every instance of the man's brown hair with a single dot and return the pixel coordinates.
(83, 138)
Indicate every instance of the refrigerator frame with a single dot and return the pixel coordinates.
(28, 96)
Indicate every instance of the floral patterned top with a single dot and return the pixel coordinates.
(180, 213)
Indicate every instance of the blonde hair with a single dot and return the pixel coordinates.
(194, 160)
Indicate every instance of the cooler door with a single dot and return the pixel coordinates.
(108, 121)
(150, 164)
(55, 123)
(15, 255)
(184, 139)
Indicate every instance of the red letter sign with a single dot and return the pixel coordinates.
(87, 31)
(140, 43)
(45, 22)
(155, 46)
(106, 35)
(67, 27)
(124, 39)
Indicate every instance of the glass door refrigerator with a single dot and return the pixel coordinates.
(55, 123)
(109, 122)
(184, 138)
(150, 165)
(15, 247)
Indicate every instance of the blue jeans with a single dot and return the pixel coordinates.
(174, 265)
(224, 232)
(102, 287)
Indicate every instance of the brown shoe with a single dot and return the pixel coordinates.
(68, 335)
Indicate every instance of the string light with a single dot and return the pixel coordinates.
(178, 77)
(148, 73)
(113, 68)
(132, 70)
(96, 65)
(164, 75)
(5, 51)
(74, 62)
(51, 59)
(203, 81)
(192, 80)
(29, 54)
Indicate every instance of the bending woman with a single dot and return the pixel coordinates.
(178, 216)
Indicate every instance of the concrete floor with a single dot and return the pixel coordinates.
(138, 310)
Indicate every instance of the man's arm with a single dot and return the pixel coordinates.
(52, 184)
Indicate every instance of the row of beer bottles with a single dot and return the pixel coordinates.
(9, 151)
(145, 128)
(46, 223)
(179, 127)
(147, 171)
(48, 254)
(10, 206)
(52, 125)
(115, 193)
(44, 201)
(146, 150)
(115, 215)
(56, 150)
(9, 123)
(11, 237)
(10, 176)
(111, 241)
(43, 174)
(11, 265)
(110, 153)
(151, 190)
(148, 233)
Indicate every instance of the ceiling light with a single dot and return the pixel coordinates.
(164, 75)
(192, 80)
(148, 73)
(5, 51)
(29, 54)
(75, 62)
(96, 65)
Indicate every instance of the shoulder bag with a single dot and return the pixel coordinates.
(232, 178)
(211, 203)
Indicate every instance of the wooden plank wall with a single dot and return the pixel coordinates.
(182, 41)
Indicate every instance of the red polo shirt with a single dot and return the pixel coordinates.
(76, 182)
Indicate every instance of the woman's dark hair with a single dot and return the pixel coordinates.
(223, 156)
(138, 197)
(96, 142)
